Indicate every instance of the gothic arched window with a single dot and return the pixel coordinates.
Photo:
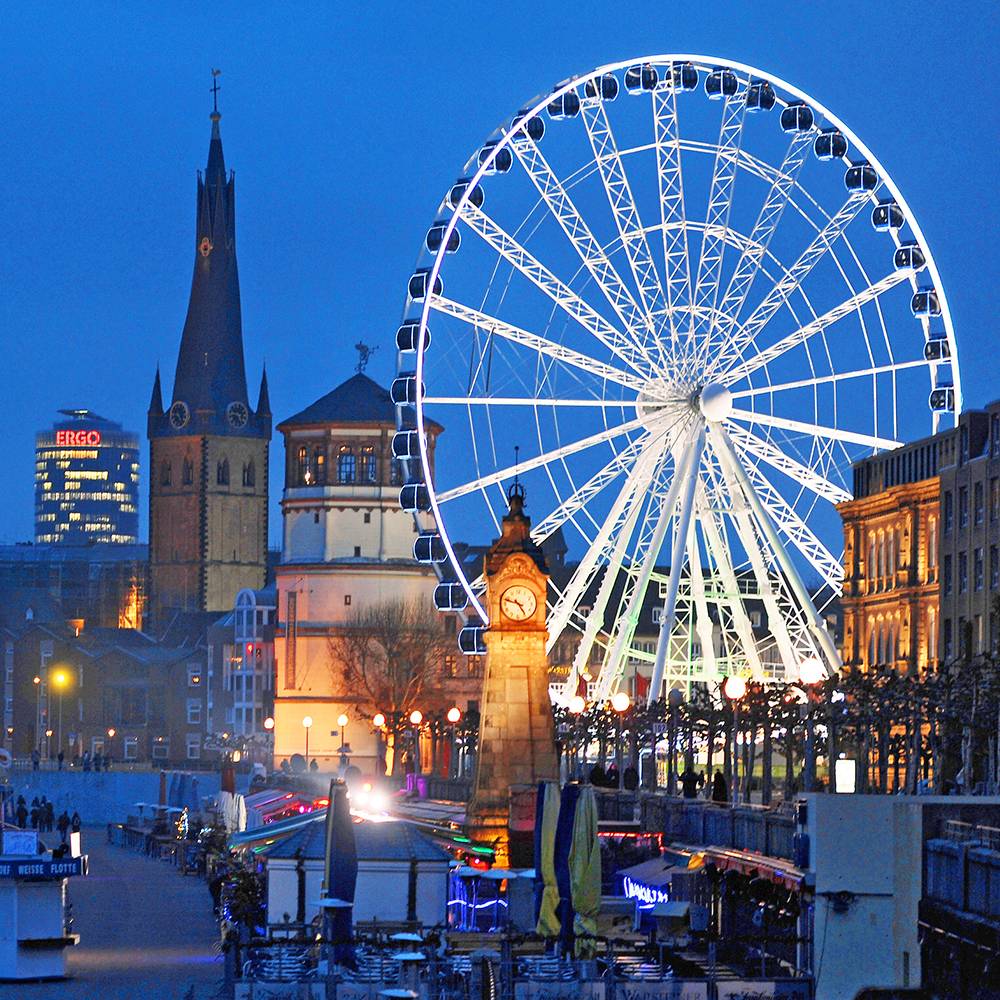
(222, 473)
(249, 474)
(165, 474)
(187, 472)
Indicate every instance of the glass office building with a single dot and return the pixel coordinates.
(86, 482)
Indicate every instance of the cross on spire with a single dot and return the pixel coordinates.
(215, 90)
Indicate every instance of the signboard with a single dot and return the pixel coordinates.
(669, 989)
(20, 842)
(764, 989)
(44, 869)
(539, 989)
(77, 439)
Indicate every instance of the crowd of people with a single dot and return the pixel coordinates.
(88, 762)
(42, 816)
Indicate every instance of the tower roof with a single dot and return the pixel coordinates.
(210, 378)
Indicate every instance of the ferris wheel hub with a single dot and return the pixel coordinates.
(715, 402)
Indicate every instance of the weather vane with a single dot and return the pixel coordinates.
(365, 351)
(215, 90)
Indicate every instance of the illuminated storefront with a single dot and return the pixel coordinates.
(86, 482)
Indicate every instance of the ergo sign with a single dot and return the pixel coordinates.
(77, 439)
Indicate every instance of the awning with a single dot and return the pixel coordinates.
(275, 831)
(655, 873)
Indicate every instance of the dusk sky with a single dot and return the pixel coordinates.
(345, 124)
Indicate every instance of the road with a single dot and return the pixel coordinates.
(145, 931)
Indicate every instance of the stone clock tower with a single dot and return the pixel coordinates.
(516, 733)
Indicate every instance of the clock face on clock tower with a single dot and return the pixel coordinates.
(518, 603)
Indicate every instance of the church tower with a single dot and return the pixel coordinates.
(208, 449)
(516, 732)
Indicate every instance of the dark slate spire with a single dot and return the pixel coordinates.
(263, 399)
(156, 400)
(210, 370)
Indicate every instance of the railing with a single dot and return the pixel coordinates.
(972, 834)
(740, 827)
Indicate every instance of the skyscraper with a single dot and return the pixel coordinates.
(209, 449)
(86, 482)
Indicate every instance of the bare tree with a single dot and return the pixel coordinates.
(388, 657)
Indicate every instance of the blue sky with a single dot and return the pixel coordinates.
(345, 123)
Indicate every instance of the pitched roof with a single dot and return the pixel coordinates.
(390, 841)
(359, 400)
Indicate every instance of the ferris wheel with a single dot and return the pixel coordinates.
(677, 298)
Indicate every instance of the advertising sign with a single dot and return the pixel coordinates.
(764, 989)
(43, 869)
(20, 842)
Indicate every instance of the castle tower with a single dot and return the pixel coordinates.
(209, 449)
(516, 733)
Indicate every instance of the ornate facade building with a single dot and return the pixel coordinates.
(891, 607)
(209, 449)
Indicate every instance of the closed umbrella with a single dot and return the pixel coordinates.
(341, 874)
(560, 857)
(585, 873)
(546, 889)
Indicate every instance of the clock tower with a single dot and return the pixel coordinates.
(516, 733)
(208, 448)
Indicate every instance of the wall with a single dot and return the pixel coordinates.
(100, 798)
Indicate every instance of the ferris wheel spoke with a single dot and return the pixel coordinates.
(702, 618)
(538, 274)
(767, 452)
(623, 208)
(791, 525)
(617, 523)
(747, 332)
(677, 263)
(764, 228)
(544, 459)
(803, 333)
(547, 401)
(647, 551)
(817, 628)
(808, 383)
(533, 342)
(816, 430)
(578, 232)
(714, 532)
(720, 203)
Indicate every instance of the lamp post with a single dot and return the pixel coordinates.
(307, 722)
(620, 703)
(675, 698)
(811, 676)
(416, 718)
(60, 678)
(734, 689)
(454, 716)
(576, 707)
(37, 681)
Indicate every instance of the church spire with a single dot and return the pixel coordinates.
(210, 379)
(156, 399)
(263, 399)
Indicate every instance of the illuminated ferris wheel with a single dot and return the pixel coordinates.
(691, 297)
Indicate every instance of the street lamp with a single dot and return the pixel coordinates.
(342, 721)
(453, 716)
(734, 689)
(37, 681)
(620, 702)
(576, 706)
(60, 678)
(307, 722)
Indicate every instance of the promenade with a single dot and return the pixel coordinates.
(145, 930)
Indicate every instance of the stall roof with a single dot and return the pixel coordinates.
(387, 841)
(655, 872)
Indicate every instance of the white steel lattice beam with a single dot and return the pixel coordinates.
(746, 333)
(506, 246)
(533, 342)
(760, 238)
(589, 250)
(803, 333)
(720, 203)
(815, 430)
(676, 259)
(791, 467)
(623, 208)
(811, 382)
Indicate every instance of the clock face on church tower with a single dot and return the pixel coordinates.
(518, 603)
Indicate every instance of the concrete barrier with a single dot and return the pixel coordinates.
(100, 798)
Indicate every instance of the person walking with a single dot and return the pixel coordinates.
(86, 760)
(34, 814)
(75, 822)
(719, 791)
(97, 761)
(61, 757)
(35, 759)
(63, 824)
(691, 781)
(107, 763)
(50, 817)
(21, 812)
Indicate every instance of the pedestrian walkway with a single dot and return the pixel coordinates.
(146, 931)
